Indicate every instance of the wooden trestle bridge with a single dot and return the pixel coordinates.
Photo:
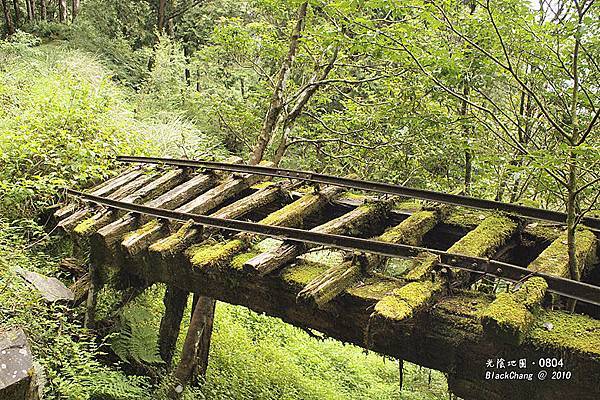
(202, 230)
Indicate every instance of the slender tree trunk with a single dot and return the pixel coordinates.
(276, 105)
(162, 9)
(10, 27)
(32, 6)
(62, 11)
(17, 13)
(29, 12)
(303, 99)
(74, 9)
(44, 10)
(464, 110)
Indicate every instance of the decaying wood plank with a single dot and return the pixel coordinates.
(292, 215)
(511, 315)
(338, 278)
(103, 189)
(188, 234)
(112, 233)
(139, 240)
(483, 241)
(74, 219)
(352, 222)
(175, 301)
(155, 187)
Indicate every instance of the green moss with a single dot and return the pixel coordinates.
(373, 289)
(411, 230)
(506, 319)
(353, 196)
(172, 241)
(532, 292)
(466, 218)
(569, 331)
(486, 238)
(239, 260)
(148, 227)
(262, 185)
(293, 214)
(405, 301)
(555, 258)
(303, 272)
(408, 206)
(85, 227)
(325, 257)
(423, 264)
(215, 255)
(542, 232)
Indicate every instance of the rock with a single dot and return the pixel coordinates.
(51, 289)
(17, 371)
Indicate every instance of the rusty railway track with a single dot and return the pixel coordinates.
(565, 287)
(379, 187)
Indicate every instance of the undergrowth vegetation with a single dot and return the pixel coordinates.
(62, 118)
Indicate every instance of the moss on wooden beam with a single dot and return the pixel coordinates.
(554, 259)
(484, 240)
(404, 302)
(411, 230)
(215, 255)
(302, 273)
(423, 264)
(510, 316)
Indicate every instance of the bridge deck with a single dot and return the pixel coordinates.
(400, 308)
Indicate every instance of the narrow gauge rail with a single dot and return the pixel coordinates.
(565, 287)
(380, 187)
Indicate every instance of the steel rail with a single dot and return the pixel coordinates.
(454, 199)
(564, 287)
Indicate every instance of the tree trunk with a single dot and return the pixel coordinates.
(75, 9)
(10, 27)
(17, 13)
(303, 99)
(62, 11)
(162, 8)
(464, 110)
(44, 10)
(276, 106)
(32, 7)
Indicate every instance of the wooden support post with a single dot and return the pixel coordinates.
(175, 301)
(92, 299)
(196, 344)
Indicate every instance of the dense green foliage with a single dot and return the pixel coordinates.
(499, 99)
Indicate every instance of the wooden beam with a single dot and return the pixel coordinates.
(447, 337)
(403, 303)
(511, 315)
(292, 215)
(351, 222)
(175, 301)
(338, 278)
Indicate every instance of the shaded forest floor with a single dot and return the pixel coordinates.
(252, 356)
